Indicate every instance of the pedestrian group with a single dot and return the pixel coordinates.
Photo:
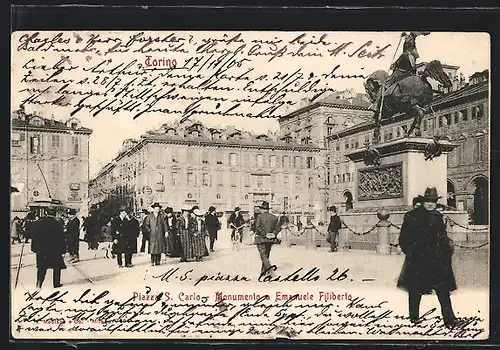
(423, 239)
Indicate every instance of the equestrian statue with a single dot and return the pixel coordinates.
(405, 90)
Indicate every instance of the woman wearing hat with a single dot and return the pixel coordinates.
(173, 244)
(186, 226)
(428, 258)
(199, 246)
(154, 226)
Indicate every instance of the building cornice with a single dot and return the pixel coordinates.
(32, 128)
(316, 105)
(213, 143)
(206, 143)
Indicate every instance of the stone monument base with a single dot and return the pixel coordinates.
(389, 176)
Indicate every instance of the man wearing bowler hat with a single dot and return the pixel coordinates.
(333, 228)
(49, 245)
(154, 225)
(125, 235)
(428, 258)
(266, 231)
(73, 235)
(212, 225)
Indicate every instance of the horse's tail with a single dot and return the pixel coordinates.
(435, 71)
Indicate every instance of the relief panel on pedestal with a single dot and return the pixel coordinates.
(380, 182)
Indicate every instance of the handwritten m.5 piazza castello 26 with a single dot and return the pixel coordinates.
(233, 185)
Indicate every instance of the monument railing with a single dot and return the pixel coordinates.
(382, 236)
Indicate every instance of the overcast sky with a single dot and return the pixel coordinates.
(470, 51)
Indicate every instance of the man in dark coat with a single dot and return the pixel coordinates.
(125, 235)
(134, 228)
(145, 235)
(266, 230)
(29, 223)
(93, 227)
(73, 235)
(333, 228)
(154, 225)
(212, 225)
(236, 222)
(49, 245)
(428, 253)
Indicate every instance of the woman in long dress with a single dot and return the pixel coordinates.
(199, 241)
(173, 245)
(186, 226)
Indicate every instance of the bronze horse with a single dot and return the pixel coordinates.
(410, 95)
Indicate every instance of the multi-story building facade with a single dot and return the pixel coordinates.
(462, 116)
(190, 164)
(318, 121)
(49, 159)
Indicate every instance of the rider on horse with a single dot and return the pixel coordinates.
(404, 91)
(406, 64)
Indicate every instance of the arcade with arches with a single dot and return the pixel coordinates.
(479, 187)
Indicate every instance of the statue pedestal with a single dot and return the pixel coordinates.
(403, 173)
(390, 186)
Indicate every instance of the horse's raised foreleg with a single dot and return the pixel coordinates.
(418, 114)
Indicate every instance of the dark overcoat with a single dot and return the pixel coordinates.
(333, 228)
(125, 232)
(428, 253)
(212, 224)
(49, 243)
(173, 244)
(92, 226)
(73, 235)
(264, 224)
(155, 227)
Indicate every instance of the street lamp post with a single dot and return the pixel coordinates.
(325, 188)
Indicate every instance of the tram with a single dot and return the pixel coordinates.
(38, 208)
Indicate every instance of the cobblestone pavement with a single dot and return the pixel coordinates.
(365, 267)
